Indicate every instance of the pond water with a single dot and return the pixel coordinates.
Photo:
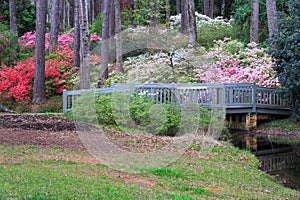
(279, 156)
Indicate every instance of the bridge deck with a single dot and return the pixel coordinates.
(236, 98)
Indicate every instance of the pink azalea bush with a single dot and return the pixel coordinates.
(232, 62)
(65, 40)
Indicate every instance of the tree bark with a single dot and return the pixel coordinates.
(272, 19)
(112, 19)
(154, 5)
(13, 16)
(184, 18)
(168, 13)
(228, 9)
(177, 7)
(54, 30)
(97, 8)
(254, 21)
(39, 96)
(192, 23)
(105, 42)
(131, 12)
(76, 61)
(119, 48)
(84, 46)
(208, 6)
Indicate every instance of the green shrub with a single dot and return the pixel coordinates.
(103, 108)
(53, 105)
(208, 33)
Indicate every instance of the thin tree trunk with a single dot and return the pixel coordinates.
(131, 12)
(105, 42)
(254, 21)
(211, 8)
(184, 18)
(154, 5)
(39, 96)
(168, 13)
(54, 30)
(76, 61)
(272, 19)
(206, 7)
(228, 9)
(111, 19)
(92, 11)
(119, 48)
(97, 7)
(177, 7)
(84, 46)
(13, 16)
(192, 23)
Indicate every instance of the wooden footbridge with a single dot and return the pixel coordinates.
(245, 103)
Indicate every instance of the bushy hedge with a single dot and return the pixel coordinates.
(139, 112)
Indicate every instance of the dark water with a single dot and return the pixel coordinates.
(280, 156)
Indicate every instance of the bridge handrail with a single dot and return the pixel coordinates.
(232, 94)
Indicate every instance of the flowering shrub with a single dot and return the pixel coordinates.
(17, 82)
(175, 21)
(65, 40)
(232, 62)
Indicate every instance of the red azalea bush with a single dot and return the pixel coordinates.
(17, 83)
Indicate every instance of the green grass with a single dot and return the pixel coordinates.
(284, 124)
(221, 173)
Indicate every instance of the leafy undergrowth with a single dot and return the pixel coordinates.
(33, 172)
(287, 125)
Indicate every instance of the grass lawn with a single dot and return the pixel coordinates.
(32, 172)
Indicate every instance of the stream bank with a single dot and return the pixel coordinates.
(278, 151)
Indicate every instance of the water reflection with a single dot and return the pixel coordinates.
(279, 156)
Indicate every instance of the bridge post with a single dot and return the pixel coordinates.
(254, 98)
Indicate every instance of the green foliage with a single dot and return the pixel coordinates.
(141, 113)
(96, 27)
(104, 112)
(142, 12)
(208, 33)
(26, 15)
(286, 53)
(242, 15)
(53, 105)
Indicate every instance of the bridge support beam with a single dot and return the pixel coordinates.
(242, 121)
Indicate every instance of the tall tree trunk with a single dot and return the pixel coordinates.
(39, 96)
(111, 19)
(208, 6)
(184, 18)
(211, 8)
(54, 30)
(105, 42)
(92, 11)
(272, 19)
(13, 16)
(84, 46)
(177, 7)
(131, 2)
(97, 8)
(218, 8)
(254, 21)
(76, 61)
(119, 48)
(228, 9)
(154, 5)
(168, 13)
(192, 22)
